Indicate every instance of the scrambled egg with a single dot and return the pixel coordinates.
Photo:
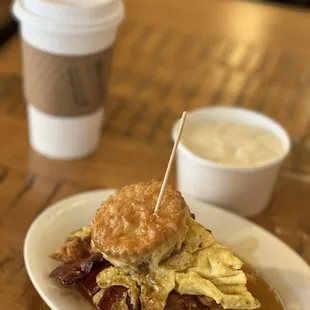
(203, 267)
(83, 233)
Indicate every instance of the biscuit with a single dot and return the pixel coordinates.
(127, 232)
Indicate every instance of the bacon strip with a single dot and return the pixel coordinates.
(89, 284)
(176, 301)
(113, 295)
(73, 272)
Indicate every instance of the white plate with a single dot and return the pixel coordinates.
(280, 266)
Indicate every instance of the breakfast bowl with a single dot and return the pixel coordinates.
(245, 189)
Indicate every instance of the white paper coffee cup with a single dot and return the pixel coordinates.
(245, 190)
(70, 40)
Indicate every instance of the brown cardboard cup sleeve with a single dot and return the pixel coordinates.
(65, 85)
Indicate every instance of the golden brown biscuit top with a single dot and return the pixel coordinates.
(126, 224)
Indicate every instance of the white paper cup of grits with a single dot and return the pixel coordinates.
(243, 189)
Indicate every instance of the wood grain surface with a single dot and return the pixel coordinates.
(5, 9)
(170, 56)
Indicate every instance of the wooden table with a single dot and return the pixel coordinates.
(7, 25)
(170, 55)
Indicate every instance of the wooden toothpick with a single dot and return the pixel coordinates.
(176, 142)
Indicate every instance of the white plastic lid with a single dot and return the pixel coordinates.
(70, 15)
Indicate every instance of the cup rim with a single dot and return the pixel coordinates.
(235, 168)
(26, 17)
